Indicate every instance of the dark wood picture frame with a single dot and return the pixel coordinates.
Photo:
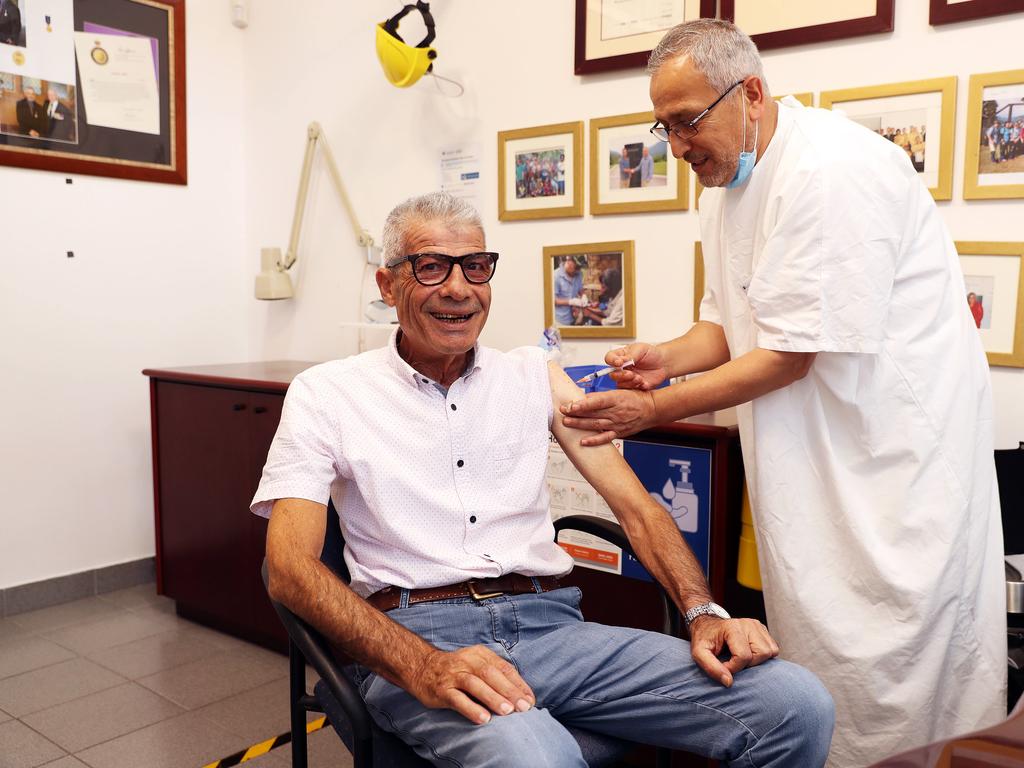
(944, 12)
(635, 59)
(880, 21)
(103, 151)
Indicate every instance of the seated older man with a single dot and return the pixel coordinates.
(434, 451)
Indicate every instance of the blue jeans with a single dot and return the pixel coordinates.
(638, 685)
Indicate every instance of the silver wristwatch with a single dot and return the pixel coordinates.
(705, 609)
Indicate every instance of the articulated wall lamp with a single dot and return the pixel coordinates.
(273, 281)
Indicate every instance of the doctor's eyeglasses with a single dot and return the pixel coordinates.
(687, 129)
(434, 268)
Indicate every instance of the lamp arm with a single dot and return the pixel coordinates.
(315, 133)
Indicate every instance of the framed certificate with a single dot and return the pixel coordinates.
(781, 23)
(95, 87)
(620, 34)
(949, 11)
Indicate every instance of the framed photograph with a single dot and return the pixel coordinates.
(94, 87)
(781, 23)
(589, 290)
(540, 172)
(620, 34)
(917, 116)
(994, 279)
(631, 171)
(994, 159)
(948, 11)
(698, 280)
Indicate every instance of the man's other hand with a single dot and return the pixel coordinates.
(465, 679)
(748, 642)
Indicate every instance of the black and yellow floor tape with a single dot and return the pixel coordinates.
(257, 750)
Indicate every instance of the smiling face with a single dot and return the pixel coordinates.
(440, 323)
(679, 92)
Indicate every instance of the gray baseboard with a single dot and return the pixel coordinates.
(64, 589)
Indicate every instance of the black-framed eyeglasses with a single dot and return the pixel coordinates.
(687, 129)
(434, 268)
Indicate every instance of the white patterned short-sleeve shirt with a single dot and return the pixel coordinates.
(431, 488)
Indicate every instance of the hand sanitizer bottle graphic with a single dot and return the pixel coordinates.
(679, 500)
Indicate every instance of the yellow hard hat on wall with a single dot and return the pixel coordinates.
(404, 64)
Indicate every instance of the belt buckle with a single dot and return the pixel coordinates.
(478, 596)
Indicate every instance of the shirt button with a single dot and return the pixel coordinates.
(472, 518)
(459, 463)
(453, 407)
(426, 381)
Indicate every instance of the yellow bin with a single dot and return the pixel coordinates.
(747, 571)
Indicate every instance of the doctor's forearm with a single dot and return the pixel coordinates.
(752, 375)
(700, 349)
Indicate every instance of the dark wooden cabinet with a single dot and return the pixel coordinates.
(212, 428)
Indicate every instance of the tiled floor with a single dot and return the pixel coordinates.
(120, 681)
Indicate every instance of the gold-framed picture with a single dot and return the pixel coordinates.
(919, 116)
(540, 172)
(994, 280)
(631, 171)
(994, 159)
(590, 290)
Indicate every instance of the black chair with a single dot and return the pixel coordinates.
(337, 696)
(1010, 474)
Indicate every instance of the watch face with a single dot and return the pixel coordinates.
(718, 610)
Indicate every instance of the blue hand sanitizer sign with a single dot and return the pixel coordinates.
(678, 478)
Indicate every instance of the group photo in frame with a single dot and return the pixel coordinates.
(620, 34)
(540, 172)
(96, 87)
(994, 283)
(590, 289)
(782, 23)
(631, 171)
(917, 116)
(994, 157)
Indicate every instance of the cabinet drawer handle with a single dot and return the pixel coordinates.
(259, 409)
(238, 407)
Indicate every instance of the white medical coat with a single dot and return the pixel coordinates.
(871, 479)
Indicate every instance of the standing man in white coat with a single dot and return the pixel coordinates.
(834, 319)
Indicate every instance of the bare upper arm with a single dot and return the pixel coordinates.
(589, 460)
(297, 528)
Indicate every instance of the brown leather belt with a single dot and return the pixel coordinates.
(479, 589)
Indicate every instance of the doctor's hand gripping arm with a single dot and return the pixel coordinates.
(661, 548)
(473, 681)
(625, 412)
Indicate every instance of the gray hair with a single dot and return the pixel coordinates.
(441, 207)
(718, 49)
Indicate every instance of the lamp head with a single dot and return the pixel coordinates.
(273, 282)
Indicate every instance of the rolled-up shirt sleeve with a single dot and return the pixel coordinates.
(303, 458)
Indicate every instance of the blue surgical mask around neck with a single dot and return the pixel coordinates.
(747, 159)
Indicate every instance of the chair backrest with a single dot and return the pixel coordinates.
(1010, 475)
(333, 553)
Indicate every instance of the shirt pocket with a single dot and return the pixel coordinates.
(517, 471)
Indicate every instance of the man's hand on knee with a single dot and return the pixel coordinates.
(748, 642)
(465, 679)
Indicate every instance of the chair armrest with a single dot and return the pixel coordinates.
(612, 533)
(314, 648)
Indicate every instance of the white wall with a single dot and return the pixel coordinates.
(516, 61)
(163, 275)
(158, 279)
